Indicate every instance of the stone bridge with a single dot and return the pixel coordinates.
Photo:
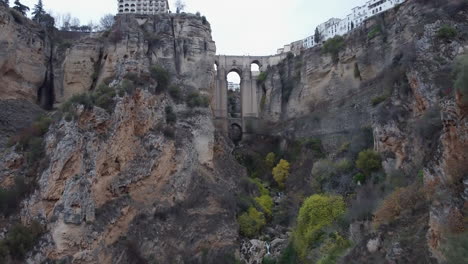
(250, 92)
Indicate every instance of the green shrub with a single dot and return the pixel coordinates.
(162, 76)
(195, 99)
(11, 198)
(281, 172)
(359, 177)
(343, 165)
(314, 144)
(19, 240)
(333, 47)
(266, 204)
(461, 81)
(379, 99)
(261, 188)
(374, 32)
(171, 117)
(175, 93)
(102, 96)
(368, 161)
(270, 160)
(456, 248)
(268, 260)
(261, 79)
(30, 140)
(333, 248)
(126, 86)
(446, 32)
(169, 132)
(316, 213)
(251, 222)
(132, 76)
(322, 171)
(288, 256)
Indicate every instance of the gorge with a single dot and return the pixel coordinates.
(114, 145)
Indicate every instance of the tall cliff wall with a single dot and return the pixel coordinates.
(124, 185)
(393, 77)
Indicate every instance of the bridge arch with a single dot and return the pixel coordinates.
(250, 92)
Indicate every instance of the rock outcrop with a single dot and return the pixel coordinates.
(124, 185)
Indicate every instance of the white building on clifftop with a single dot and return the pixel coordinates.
(339, 27)
(143, 7)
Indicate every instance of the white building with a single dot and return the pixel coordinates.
(143, 7)
(339, 27)
(233, 86)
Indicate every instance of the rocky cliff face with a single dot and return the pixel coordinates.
(394, 77)
(126, 185)
(131, 169)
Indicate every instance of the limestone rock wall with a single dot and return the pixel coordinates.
(420, 122)
(24, 53)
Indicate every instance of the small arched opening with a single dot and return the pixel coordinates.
(234, 94)
(255, 68)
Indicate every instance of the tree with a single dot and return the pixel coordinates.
(270, 160)
(38, 11)
(20, 7)
(180, 6)
(7, 2)
(66, 22)
(47, 20)
(266, 203)
(251, 222)
(368, 161)
(317, 213)
(317, 36)
(281, 172)
(107, 22)
(333, 47)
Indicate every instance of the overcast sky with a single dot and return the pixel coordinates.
(240, 27)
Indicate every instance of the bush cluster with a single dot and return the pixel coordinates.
(333, 47)
(317, 213)
(175, 92)
(325, 169)
(261, 79)
(195, 99)
(251, 222)
(397, 202)
(266, 204)
(19, 240)
(368, 161)
(11, 197)
(374, 32)
(281, 172)
(379, 99)
(446, 32)
(161, 76)
(270, 160)
(102, 97)
(30, 140)
(333, 248)
(171, 117)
